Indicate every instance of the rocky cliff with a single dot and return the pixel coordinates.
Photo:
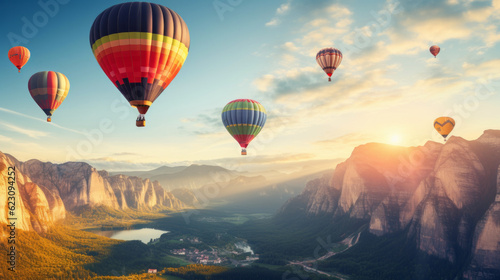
(36, 207)
(441, 196)
(80, 184)
(45, 191)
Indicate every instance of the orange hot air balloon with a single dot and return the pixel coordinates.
(435, 50)
(444, 125)
(19, 56)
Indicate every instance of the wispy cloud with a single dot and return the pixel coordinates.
(40, 120)
(281, 10)
(28, 132)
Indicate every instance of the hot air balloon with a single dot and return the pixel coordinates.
(19, 56)
(48, 89)
(435, 50)
(444, 125)
(141, 47)
(329, 59)
(244, 119)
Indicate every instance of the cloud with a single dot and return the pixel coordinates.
(125, 154)
(272, 22)
(40, 120)
(290, 46)
(280, 11)
(204, 124)
(28, 132)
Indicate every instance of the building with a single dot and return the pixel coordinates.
(152, 270)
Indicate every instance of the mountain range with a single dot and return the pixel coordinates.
(46, 191)
(444, 197)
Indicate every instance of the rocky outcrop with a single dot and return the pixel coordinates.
(142, 194)
(79, 184)
(441, 196)
(45, 191)
(318, 198)
(36, 207)
(485, 263)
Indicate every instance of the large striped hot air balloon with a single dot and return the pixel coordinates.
(48, 89)
(141, 47)
(244, 119)
(444, 125)
(329, 59)
(19, 56)
(434, 50)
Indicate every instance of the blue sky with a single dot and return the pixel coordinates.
(389, 88)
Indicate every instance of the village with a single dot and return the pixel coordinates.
(215, 256)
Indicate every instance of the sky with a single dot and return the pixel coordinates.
(388, 88)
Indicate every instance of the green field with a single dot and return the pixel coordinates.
(174, 261)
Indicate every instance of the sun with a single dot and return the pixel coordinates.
(395, 139)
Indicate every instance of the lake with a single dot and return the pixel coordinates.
(144, 234)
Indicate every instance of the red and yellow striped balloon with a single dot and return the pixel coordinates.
(19, 56)
(141, 47)
(48, 89)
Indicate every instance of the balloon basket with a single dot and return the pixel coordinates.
(243, 152)
(329, 79)
(140, 123)
(49, 120)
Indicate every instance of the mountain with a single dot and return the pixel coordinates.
(444, 198)
(155, 172)
(45, 191)
(188, 177)
(36, 207)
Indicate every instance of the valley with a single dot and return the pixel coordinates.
(367, 220)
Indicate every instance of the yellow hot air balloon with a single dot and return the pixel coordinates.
(444, 125)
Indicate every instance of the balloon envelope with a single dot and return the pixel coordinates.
(244, 119)
(19, 56)
(329, 59)
(48, 89)
(444, 125)
(434, 50)
(141, 47)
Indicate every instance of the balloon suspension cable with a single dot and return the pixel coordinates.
(141, 120)
(243, 151)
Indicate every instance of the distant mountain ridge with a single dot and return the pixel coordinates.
(188, 177)
(447, 197)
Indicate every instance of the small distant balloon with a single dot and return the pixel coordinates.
(244, 119)
(329, 59)
(19, 56)
(435, 50)
(48, 89)
(444, 125)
